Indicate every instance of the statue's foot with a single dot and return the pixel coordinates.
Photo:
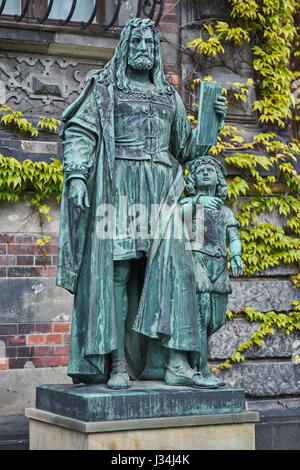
(119, 378)
(183, 375)
(207, 374)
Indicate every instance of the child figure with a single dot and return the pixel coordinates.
(206, 186)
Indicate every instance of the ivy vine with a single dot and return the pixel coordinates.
(269, 27)
(39, 178)
(269, 321)
(267, 180)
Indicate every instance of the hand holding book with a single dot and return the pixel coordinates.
(220, 108)
(211, 114)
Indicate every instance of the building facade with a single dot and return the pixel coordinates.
(46, 51)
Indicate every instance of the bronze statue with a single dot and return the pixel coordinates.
(206, 186)
(125, 139)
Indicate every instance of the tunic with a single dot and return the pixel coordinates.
(210, 260)
(144, 167)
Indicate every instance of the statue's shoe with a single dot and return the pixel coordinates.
(212, 377)
(188, 377)
(118, 380)
(207, 374)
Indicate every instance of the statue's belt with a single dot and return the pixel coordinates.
(125, 153)
(218, 251)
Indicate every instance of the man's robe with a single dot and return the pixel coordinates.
(162, 304)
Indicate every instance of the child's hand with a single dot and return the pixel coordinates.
(236, 265)
(210, 202)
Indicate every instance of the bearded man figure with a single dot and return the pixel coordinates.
(125, 139)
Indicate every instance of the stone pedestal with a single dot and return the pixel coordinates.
(148, 416)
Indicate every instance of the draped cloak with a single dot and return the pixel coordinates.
(162, 303)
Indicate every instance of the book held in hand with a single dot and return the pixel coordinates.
(208, 119)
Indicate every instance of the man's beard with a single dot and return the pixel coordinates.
(141, 62)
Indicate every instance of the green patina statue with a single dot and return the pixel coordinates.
(125, 140)
(206, 188)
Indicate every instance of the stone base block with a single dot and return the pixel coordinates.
(232, 431)
(148, 416)
(144, 399)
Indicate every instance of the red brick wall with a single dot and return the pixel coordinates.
(20, 256)
(34, 344)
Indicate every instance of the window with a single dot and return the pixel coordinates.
(99, 15)
(13, 7)
(68, 11)
(82, 12)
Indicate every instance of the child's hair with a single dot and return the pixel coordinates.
(196, 165)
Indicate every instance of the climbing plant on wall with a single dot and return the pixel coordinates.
(39, 178)
(268, 26)
(268, 181)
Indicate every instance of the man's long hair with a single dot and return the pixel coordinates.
(115, 70)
